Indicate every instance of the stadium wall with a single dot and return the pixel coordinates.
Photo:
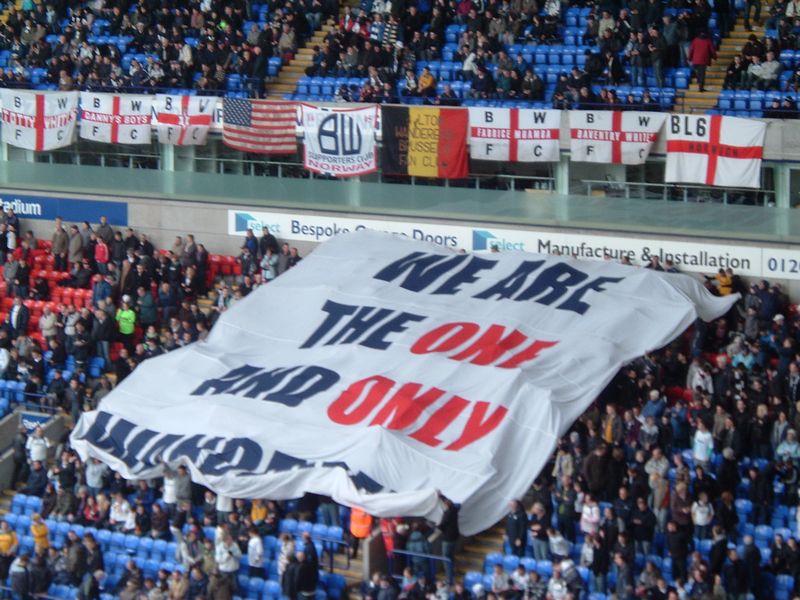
(221, 226)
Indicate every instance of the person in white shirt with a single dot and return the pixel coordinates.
(37, 446)
(224, 507)
(557, 587)
(121, 517)
(169, 492)
(255, 554)
(702, 515)
(227, 555)
(702, 445)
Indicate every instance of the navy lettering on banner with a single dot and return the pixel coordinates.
(422, 270)
(369, 326)
(560, 284)
(285, 385)
(212, 456)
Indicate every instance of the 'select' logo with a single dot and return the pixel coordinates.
(245, 221)
(483, 240)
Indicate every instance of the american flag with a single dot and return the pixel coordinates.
(259, 126)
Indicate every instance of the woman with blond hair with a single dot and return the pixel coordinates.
(40, 532)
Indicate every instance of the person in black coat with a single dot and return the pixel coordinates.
(517, 528)
(752, 566)
(734, 575)
(450, 533)
(728, 477)
(678, 548)
(643, 526)
(719, 550)
(306, 576)
(289, 578)
(761, 492)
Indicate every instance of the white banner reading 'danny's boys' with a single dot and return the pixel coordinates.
(381, 371)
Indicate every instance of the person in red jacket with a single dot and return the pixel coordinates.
(101, 254)
(701, 53)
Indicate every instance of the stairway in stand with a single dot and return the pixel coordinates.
(353, 574)
(286, 81)
(475, 549)
(700, 102)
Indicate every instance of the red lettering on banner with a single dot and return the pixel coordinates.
(425, 415)
(615, 135)
(346, 410)
(433, 427)
(477, 427)
(406, 406)
(487, 349)
(714, 149)
(513, 133)
(39, 122)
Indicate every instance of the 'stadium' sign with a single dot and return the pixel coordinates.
(381, 371)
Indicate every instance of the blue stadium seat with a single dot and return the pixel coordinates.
(492, 559)
(18, 504)
(510, 562)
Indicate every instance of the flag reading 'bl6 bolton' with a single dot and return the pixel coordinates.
(383, 369)
(425, 141)
(514, 134)
(604, 136)
(715, 150)
(39, 120)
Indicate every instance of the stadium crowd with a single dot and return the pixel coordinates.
(681, 480)
(215, 47)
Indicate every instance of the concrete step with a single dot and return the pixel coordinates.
(281, 88)
(473, 552)
(354, 573)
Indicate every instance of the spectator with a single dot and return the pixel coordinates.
(701, 53)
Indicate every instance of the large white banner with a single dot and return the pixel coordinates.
(382, 371)
(604, 136)
(184, 120)
(116, 118)
(514, 134)
(39, 120)
(715, 150)
(340, 142)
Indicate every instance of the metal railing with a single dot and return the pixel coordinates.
(331, 547)
(678, 192)
(431, 562)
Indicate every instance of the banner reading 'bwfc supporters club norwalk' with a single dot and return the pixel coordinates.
(381, 371)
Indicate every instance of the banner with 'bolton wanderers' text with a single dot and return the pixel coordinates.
(383, 370)
(340, 141)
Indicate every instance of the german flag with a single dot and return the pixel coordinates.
(425, 141)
